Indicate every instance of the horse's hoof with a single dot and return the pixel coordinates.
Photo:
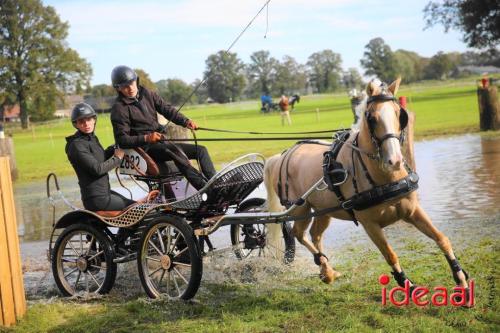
(327, 274)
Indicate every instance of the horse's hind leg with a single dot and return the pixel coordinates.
(422, 222)
(377, 236)
(327, 274)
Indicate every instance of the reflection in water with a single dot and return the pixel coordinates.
(459, 179)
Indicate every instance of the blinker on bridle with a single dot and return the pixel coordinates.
(403, 121)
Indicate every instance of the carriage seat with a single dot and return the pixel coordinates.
(158, 169)
(114, 213)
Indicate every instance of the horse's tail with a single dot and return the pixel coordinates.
(273, 205)
(273, 201)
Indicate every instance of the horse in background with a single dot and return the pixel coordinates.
(372, 157)
(292, 100)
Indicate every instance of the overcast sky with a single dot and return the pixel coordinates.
(172, 39)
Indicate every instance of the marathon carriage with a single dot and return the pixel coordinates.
(166, 235)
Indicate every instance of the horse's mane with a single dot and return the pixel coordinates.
(360, 110)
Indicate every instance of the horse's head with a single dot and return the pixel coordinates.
(385, 121)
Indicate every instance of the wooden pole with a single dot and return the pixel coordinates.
(489, 108)
(12, 298)
(7, 149)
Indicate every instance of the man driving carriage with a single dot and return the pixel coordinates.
(135, 124)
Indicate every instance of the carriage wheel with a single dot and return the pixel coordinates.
(251, 240)
(82, 261)
(169, 259)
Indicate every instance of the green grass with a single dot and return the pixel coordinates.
(441, 109)
(295, 300)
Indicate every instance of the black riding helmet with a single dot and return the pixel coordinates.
(122, 76)
(82, 110)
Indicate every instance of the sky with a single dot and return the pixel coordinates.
(173, 38)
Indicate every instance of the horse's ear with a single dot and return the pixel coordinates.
(373, 88)
(393, 87)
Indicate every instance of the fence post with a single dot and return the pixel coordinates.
(7, 149)
(489, 107)
(12, 298)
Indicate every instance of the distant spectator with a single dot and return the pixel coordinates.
(285, 113)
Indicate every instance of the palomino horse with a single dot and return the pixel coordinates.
(372, 157)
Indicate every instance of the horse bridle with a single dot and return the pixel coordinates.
(403, 121)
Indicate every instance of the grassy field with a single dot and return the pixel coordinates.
(441, 109)
(294, 300)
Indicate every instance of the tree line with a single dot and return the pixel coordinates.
(227, 78)
(37, 68)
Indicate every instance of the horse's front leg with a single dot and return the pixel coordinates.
(422, 222)
(377, 236)
(327, 273)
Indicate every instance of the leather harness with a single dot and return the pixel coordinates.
(332, 170)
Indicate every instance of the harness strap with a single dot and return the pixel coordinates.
(288, 154)
(330, 157)
(382, 193)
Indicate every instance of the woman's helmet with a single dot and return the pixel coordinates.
(82, 110)
(122, 76)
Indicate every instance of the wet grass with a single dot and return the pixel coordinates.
(294, 300)
(440, 108)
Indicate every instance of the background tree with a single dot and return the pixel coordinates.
(325, 71)
(261, 72)
(36, 65)
(479, 20)
(174, 91)
(489, 57)
(439, 67)
(352, 79)
(224, 76)
(144, 80)
(410, 65)
(379, 60)
(291, 77)
(201, 94)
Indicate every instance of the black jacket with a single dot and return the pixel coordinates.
(92, 164)
(133, 118)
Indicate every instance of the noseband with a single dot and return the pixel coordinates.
(403, 122)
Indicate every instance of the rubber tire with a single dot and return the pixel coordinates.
(286, 229)
(194, 255)
(109, 255)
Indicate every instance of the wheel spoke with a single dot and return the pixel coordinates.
(74, 250)
(100, 267)
(96, 255)
(77, 279)
(172, 248)
(176, 285)
(154, 246)
(93, 278)
(71, 272)
(155, 271)
(87, 282)
(153, 259)
(169, 238)
(181, 252)
(92, 240)
(161, 240)
(161, 277)
(182, 277)
(181, 264)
